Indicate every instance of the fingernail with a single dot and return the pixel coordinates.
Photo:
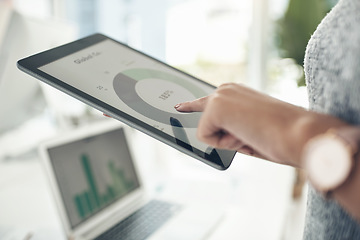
(177, 106)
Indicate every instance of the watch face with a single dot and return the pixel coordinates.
(328, 161)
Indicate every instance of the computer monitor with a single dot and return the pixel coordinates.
(21, 96)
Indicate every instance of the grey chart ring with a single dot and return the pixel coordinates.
(124, 86)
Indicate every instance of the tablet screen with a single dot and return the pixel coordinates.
(139, 86)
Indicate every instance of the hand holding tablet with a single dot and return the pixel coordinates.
(129, 86)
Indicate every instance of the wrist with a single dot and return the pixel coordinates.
(308, 127)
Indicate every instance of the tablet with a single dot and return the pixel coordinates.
(129, 86)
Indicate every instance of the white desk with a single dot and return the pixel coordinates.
(256, 194)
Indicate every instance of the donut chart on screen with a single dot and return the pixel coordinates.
(153, 94)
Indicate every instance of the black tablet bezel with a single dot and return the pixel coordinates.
(32, 64)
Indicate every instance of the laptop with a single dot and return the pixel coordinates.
(100, 194)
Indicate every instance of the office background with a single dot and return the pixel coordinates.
(218, 41)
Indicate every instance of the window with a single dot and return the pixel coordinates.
(216, 40)
(209, 39)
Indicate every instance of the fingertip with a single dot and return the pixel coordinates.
(196, 105)
(177, 106)
(181, 107)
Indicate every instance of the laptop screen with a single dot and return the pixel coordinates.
(92, 173)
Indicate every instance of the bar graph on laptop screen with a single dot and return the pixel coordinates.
(90, 200)
(93, 173)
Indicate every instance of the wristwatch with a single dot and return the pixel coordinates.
(328, 160)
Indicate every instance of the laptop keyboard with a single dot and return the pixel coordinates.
(142, 223)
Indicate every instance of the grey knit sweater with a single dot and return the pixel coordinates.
(332, 70)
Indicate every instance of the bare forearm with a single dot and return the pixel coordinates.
(282, 137)
(303, 126)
